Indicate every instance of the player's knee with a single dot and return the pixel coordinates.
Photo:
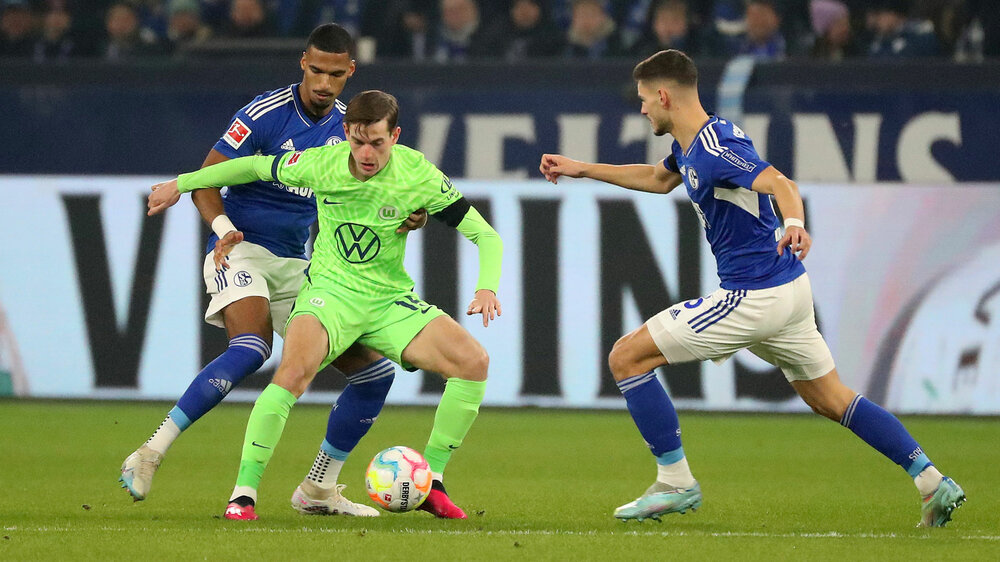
(473, 365)
(620, 360)
(292, 377)
(825, 407)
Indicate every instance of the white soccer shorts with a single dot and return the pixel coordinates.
(254, 272)
(776, 324)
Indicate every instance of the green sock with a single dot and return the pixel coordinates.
(267, 421)
(457, 410)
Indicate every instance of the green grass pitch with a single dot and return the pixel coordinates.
(537, 484)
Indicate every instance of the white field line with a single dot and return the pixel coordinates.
(527, 533)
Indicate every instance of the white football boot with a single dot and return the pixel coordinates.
(308, 500)
(138, 470)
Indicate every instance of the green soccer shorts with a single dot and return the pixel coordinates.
(385, 323)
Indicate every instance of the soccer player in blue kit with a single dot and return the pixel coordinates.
(765, 303)
(253, 291)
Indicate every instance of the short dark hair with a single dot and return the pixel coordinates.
(372, 106)
(331, 38)
(668, 65)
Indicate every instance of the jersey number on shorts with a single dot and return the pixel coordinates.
(414, 304)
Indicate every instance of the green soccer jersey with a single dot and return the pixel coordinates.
(357, 244)
(358, 247)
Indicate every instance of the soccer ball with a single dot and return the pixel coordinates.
(398, 479)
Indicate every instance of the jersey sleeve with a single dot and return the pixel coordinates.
(300, 169)
(670, 162)
(737, 163)
(441, 193)
(244, 137)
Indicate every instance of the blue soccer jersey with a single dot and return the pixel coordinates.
(718, 169)
(271, 214)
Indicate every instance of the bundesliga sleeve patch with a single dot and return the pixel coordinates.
(293, 159)
(237, 133)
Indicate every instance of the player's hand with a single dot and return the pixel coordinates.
(417, 219)
(164, 195)
(797, 241)
(225, 245)
(555, 165)
(486, 303)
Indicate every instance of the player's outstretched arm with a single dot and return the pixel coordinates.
(638, 177)
(786, 195)
(474, 227)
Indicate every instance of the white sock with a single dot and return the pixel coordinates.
(164, 436)
(325, 471)
(244, 491)
(439, 476)
(677, 474)
(927, 481)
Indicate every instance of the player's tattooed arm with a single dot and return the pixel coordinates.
(786, 195)
(638, 177)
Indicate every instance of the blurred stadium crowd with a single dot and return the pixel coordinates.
(458, 30)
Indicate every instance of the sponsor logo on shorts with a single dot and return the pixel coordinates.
(316, 301)
(674, 313)
(242, 278)
(356, 242)
(693, 303)
(237, 133)
(388, 213)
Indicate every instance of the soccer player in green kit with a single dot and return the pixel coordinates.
(356, 288)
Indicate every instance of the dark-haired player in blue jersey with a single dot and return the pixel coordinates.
(765, 303)
(253, 293)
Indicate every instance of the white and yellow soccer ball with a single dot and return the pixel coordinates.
(398, 479)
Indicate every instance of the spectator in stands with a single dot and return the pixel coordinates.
(592, 32)
(56, 41)
(948, 17)
(401, 28)
(17, 29)
(526, 33)
(247, 18)
(297, 18)
(125, 39)
(831, 24)
(897, 36)
(763, 38)
(185, 26)
(669, 28)
(458, 35)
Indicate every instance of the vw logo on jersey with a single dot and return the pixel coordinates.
(242, 278)
(356, 242)
(333, 140)
(692, 177)
(388, 213)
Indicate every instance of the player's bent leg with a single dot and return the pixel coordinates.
(352, 416)
(826, 395)
(885, 433)
(248, 323)
(445, 347)
(306, 346)
(632, 361)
